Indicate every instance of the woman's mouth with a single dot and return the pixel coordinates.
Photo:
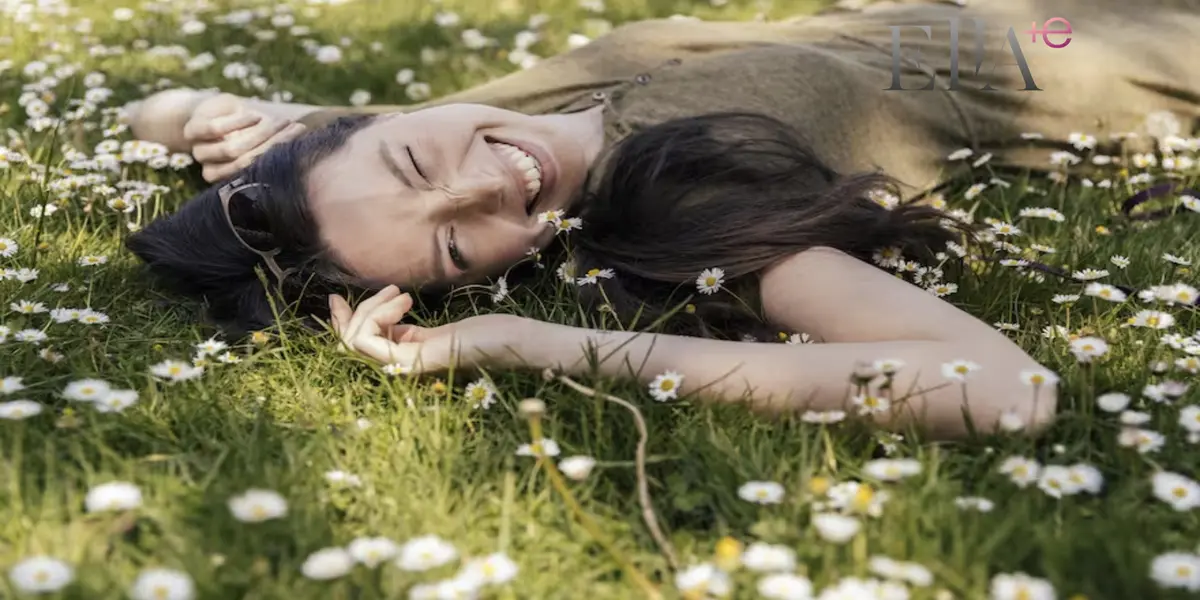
(527, 168)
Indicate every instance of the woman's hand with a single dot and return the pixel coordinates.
(373, 329)
(226, 133)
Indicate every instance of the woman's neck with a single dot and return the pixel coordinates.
(587, 126)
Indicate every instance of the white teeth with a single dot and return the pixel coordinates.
(526, 164)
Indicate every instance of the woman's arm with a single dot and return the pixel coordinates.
(863, 315)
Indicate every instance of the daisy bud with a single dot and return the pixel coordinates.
(577, 467)
(728, 554)
(548, 374)
(863, 374)
(532, 407)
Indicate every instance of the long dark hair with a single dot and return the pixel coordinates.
(735, 191)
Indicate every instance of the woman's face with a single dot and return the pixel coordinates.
(449, 194)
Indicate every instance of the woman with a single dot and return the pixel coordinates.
(761, 149)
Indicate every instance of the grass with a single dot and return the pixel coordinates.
(294, 408)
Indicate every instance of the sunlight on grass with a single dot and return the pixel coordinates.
(144, 455)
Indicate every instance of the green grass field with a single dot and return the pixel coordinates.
(418, 460)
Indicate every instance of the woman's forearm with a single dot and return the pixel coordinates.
(785, 378)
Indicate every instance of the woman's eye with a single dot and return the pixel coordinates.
(456, 256)
(415, 164)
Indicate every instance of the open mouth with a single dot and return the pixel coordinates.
(526, 166)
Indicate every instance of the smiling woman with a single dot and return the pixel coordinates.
(765, 160)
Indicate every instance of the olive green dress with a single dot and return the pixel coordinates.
(828, 75)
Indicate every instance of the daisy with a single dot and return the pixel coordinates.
(481, 394)
(27, 307)
(17, 410)
(888, 469)
(11, 385)
(1152, 319)
(91, 317)
(594, 275)
(704, 580)
(544, 447)
(768, 558)
(567, 225)
(960, 154)
(1119, 261)
(959, 370)
(665, 386)
(92, 260)
(496, 568)
(175, 370)
(1104, 292)
(761, 492)
(327, 563)
(577, 467)
(870, 403)
(371, 551)
(710, 280)
(1082, 141)
(1179, 260)
(1189, 418)
(40, 574)
(1113, 402)
(1089, 274)
(1178, 491)
(1022, 471)
(424, 553)
(210, 346)
(785, 586)
(257, 505)
(1086, 477)
(835, 528)
(1146, 441)
(1003, 228)
(86, 390)
(113, 496)
(116, 401)
(1019, 586)
(1038, 377)
(162, 584)
(942, 290)
(1087, 348)
(911, 573)
(1055, 481)
(974, 191)
(1180, 570)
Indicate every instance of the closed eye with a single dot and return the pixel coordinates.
(415, 164)
(456, 256)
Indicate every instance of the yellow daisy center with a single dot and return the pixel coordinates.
(667, 385)
(593, 272)
(162, 592)
(1179, 492)
(962, 369)
(710, 281)
(41, 576)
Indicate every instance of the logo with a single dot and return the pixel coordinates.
(1055, 33)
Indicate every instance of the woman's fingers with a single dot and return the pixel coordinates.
(218, 171)
(233, 145)
(362, 314)
(206, 129)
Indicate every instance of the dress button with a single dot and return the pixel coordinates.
(598, 95)
(642, 79)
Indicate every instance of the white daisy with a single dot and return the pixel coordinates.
(424, 553)
(371, 551)
(761, 492)
(665, 386)
(162, 584)
(40, 575)
(710, 280)
(257, 505)
(327, 563)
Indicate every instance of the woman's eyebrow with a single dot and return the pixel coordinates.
(392, 166)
